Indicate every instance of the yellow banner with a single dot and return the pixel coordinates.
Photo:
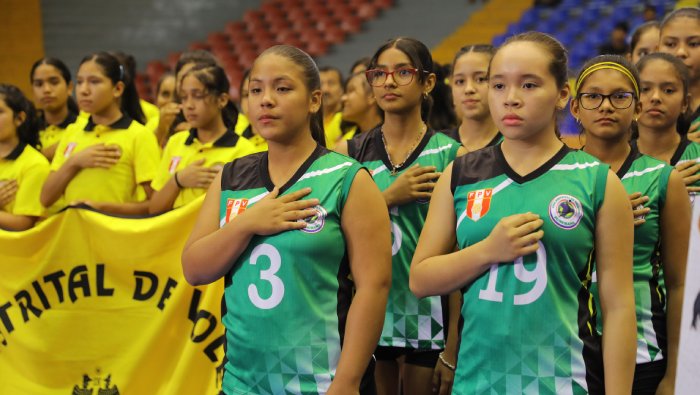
(92, 304)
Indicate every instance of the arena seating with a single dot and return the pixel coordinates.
(582, 26)
(312, 26)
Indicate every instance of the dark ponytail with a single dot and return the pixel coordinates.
(28, 131)
(65, 74)
(312, 81)
(216, 83)
(116, 72)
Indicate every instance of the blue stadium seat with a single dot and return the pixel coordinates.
(548, 26)
(499, 39)
(530, 17)
(568, 37)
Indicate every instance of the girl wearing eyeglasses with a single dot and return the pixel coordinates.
(607, 102)
(406, 158)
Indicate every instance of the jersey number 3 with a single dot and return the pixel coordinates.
(538, 275)
(268, 275)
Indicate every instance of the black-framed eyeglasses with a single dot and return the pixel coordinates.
(619, 100)
(402, 75)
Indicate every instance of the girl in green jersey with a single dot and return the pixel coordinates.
(287, 229)
(607, 101)
(664, 98)
(528, 216)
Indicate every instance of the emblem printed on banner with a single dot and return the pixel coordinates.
(174, 161)
(97, 384)
(565, 211)
(235, 207)
(478, 203)
(69, 149)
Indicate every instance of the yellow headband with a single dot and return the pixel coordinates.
(607, 65)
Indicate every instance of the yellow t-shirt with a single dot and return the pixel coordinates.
(350, 134)
(333, 130)
(52, 133)
(139, 159)
(152, 114)
(258, 141)
(29, 168)
(184, 148)
(242, 124)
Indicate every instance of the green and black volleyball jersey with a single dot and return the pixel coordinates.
(287, 296)
(687, 151)
(529, 325)
(454, 134)
(642, 173)
(409, 322)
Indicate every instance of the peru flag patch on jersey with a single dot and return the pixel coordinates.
(478, 203)
(235, 207)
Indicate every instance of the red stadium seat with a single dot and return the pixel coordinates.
(341, 10)
(233, 92)
(217, 38)
(233, 28)
(252, 15)
(309, 25)
(384, 4)
(296, 14)
(286, 35)
(351, 24)
(367, 11)
(173, 57)
(334, 35)
(199, 46)
(317, 48)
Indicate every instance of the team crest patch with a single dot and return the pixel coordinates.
(640, 216)
(478, 203)
(315, 223)
(235, 207)
(565, 211)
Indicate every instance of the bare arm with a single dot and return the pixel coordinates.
(210, 251)
(56, 184)
(443, 376)
(16, 222)
(193, 176)
(130, 208)
(436, 270)
(675, 226)
(164, 199)
(613, 243)
(365, 224)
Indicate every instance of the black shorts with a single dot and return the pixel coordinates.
(424, 358)
(647, 377)
(367, 384)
